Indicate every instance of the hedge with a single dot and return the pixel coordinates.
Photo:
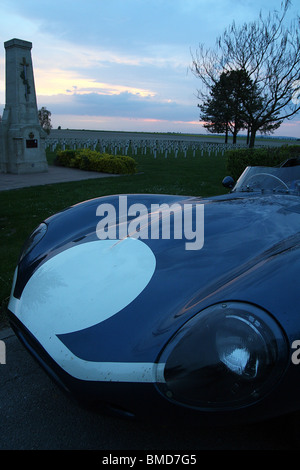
(91, 160)
(238, 160)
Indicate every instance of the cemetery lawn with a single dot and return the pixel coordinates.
(23, 209)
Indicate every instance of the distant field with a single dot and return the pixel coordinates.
(209, 138)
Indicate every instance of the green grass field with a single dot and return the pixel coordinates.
(23, 209)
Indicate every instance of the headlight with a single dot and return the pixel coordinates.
(228, 356)
(33, 239)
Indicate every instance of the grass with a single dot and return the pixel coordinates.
(22, 210)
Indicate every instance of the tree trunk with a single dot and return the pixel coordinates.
(248, 135)
(226, 135)
(252, 138)
(234, 137)
(235, 131)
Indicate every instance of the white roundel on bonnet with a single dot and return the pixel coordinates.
(85, 285)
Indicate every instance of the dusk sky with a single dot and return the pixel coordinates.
(123, 64)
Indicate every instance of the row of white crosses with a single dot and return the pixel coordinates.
(143, 147)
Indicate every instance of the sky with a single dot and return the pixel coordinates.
(123, 65)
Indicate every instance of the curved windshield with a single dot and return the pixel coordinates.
(270, 179)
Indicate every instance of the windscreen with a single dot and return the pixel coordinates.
(276, 179)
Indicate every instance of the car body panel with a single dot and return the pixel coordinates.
(103, 310)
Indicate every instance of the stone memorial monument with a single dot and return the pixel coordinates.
(22, 140)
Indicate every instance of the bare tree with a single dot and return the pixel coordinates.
(269, 51)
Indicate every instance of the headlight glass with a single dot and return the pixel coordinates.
(33, 239)
(228, 356)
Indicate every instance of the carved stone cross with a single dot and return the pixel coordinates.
(24, 77)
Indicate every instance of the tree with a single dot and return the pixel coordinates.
(213, 113)
(269, 52)
(224, 110)
(216, 111)
(45, 119)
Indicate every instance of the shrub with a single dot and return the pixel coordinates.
(64, 157)
(238, 160)
(91, 160)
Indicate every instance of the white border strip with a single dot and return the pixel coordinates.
(136, 372)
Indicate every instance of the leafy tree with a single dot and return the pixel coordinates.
(224, 110)
(45, 119)
(215, 111)
(269, 51)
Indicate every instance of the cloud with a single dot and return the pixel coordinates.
(122, 59)
(59, 81)
(125, 104)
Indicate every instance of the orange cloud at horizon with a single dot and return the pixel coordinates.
(60, 82)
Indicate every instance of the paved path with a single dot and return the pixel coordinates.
(55, 174)
(36, 415)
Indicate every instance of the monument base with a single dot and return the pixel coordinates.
(25, 168)
(24, 151)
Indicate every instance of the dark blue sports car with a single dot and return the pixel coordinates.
(168, 306)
